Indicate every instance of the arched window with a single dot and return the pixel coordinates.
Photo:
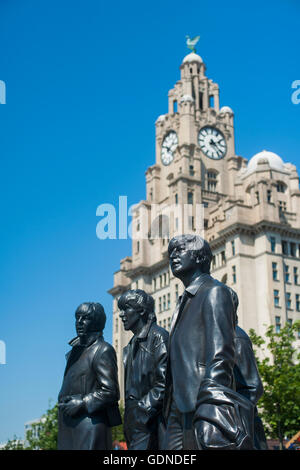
(211, 180)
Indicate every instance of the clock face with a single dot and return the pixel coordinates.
(212, 142)
(168, 147)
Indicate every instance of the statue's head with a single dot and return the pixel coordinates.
(189, 253)
(136, 307)
(90, 317)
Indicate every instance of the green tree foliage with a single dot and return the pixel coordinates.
(14, 444)
(42, 435)
(279, 367)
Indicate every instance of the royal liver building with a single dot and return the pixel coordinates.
(249, 211)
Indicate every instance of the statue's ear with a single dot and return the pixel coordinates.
(143, 312)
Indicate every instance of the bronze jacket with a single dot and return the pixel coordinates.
(145, 360)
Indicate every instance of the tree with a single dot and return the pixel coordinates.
(42, 435)
(280, 373)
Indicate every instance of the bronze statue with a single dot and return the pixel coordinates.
(201, 407)
(88, 399)
(145, 359)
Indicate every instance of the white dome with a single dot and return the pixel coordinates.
(226, 109)
(185, 98)
(273, 159)
(192, 57)
(160, 118)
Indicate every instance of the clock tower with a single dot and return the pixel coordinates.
(250, 212)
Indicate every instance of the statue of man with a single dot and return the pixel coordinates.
(145, 359)
(88, 399)
(202, 408)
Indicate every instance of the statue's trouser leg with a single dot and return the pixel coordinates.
(179, 433)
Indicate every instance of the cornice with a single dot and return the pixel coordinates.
(260, 227)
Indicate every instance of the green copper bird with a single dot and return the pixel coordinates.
(191, 43)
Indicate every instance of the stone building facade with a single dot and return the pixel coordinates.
(249, 211)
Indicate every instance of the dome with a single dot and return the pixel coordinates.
(275, 162)
(192, 57)
(160, 118)
(186, 98)
(226, 109)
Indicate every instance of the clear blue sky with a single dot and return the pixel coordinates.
(85, 82)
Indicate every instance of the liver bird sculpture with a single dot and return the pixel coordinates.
(191, 43)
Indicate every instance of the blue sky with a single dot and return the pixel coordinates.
(85, 82)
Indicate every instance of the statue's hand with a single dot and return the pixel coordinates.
(72, 407)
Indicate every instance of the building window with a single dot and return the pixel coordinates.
(176, 198)
(169, 323)
(138, 226)
(205, 223)
(233, 274)
(286, 273)
(164, 303)
(275, 272)
(165, 323)
(176, 292)
(285, 247)
(168, 302)
(223, 258)
(212, 181)
(174, 106)
(160, 281)
(293, 249)
(211, 101)
(282, 206)
(191, 170)
(296, 275)
(280, 187)
(138, 247)
(257, 197)
(298, 302)
(290, 322)
(191, 222)
(154, 284)
(233, 247)
(159, 304)
(288, 300)
(276, 298)
(269, 196)
(213, 261)
(190, 198)
(277, 324)
(273, 244)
